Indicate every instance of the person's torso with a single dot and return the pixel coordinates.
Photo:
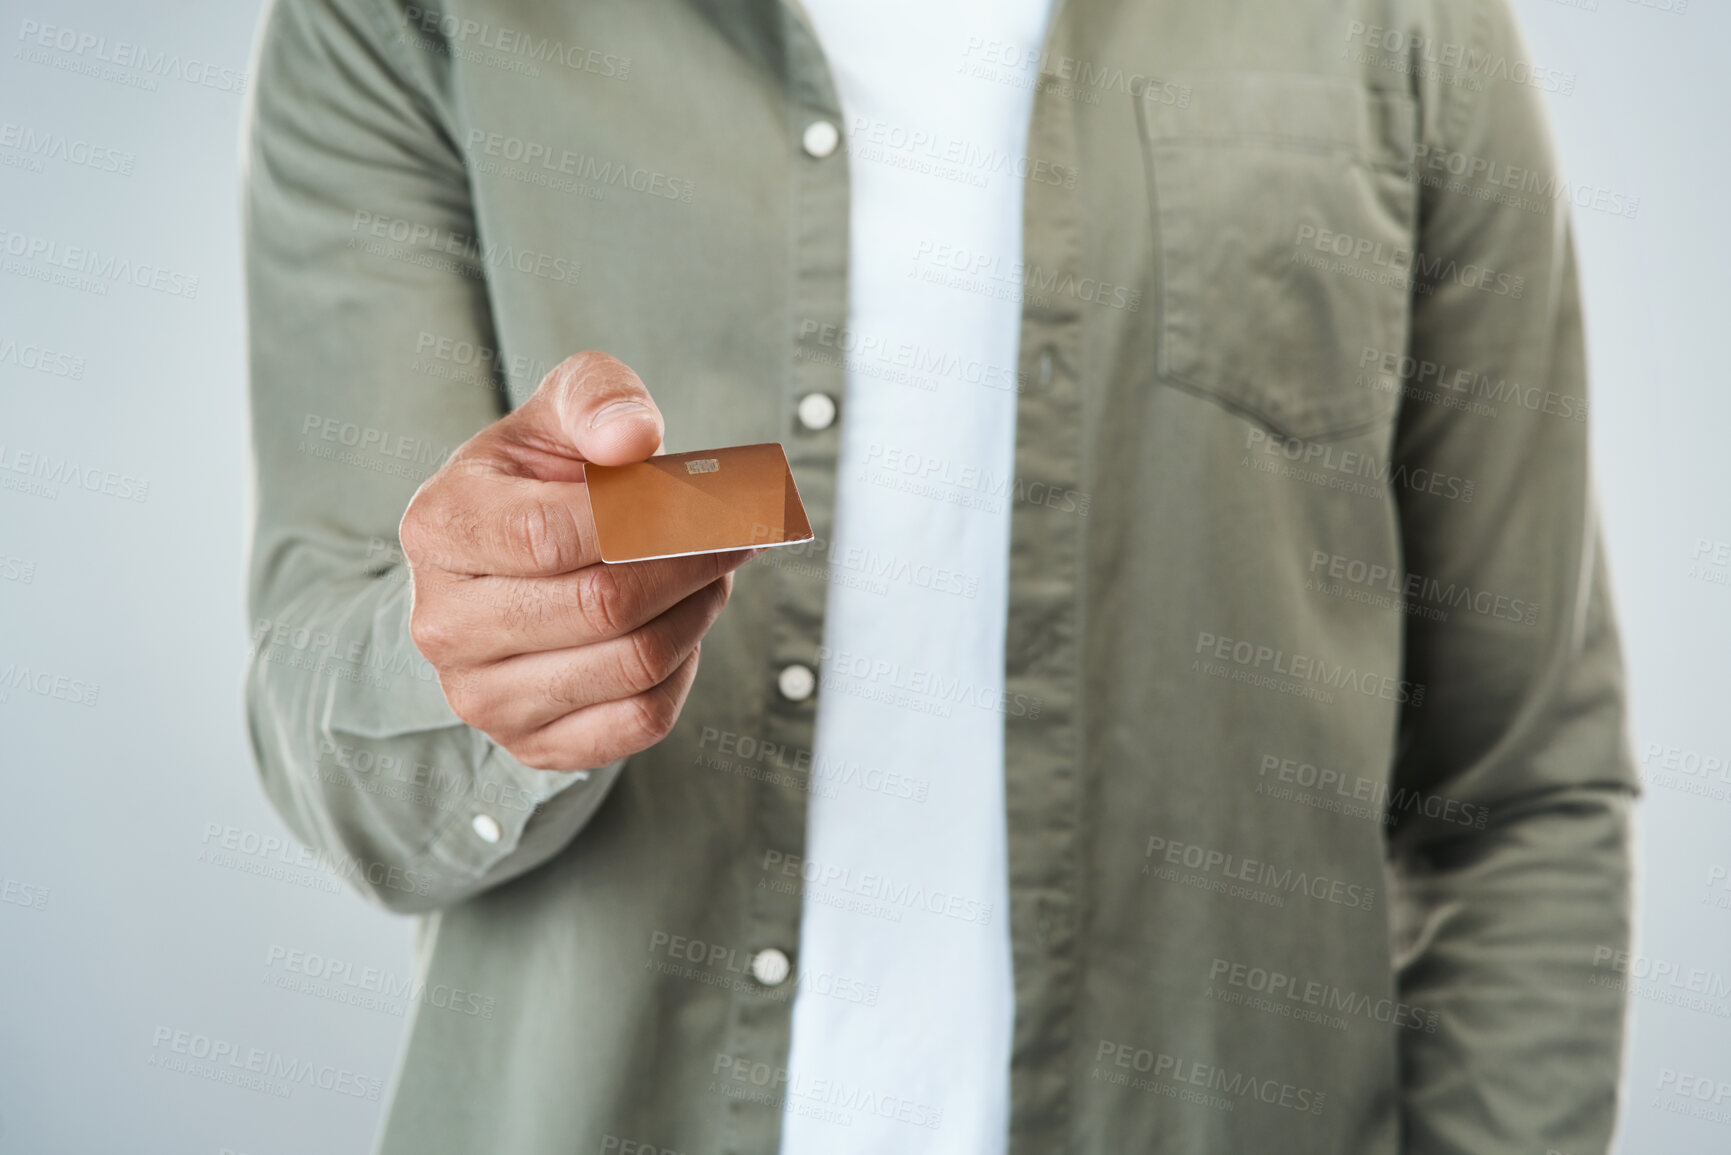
(1165, 824)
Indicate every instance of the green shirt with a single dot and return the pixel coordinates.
(1317, 777)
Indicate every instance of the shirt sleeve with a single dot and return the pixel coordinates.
(1503, 923)
(372, 358)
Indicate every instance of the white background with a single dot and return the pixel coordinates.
(110, 808)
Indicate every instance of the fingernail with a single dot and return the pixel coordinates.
(615, 411)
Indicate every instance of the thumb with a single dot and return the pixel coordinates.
(591, 407)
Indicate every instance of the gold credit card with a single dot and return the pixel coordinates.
(703, 502)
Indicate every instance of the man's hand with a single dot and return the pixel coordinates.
(566, 662)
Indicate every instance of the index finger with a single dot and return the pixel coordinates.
(471, 521)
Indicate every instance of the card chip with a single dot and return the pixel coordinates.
(702, 465)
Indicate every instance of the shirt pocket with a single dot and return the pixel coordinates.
(1258, 183)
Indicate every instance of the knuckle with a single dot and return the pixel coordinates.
(537, 538)
(414, 535)
(432, 631)
(656, 713)
(437, 533)
(575, 372)
(593, 361)
(605, 601)
(650, 660)
(438, 529)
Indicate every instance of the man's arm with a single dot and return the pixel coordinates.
(427, 782)
(1523, 716)
(359, 751)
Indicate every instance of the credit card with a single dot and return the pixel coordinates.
(702, 502)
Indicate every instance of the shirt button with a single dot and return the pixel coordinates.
(770, 967)
(486, 828)
(820, 138)
(816, 411)
(796, 682)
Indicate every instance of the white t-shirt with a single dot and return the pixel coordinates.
(902, 1021)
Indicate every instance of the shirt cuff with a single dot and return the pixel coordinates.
(517, 815)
